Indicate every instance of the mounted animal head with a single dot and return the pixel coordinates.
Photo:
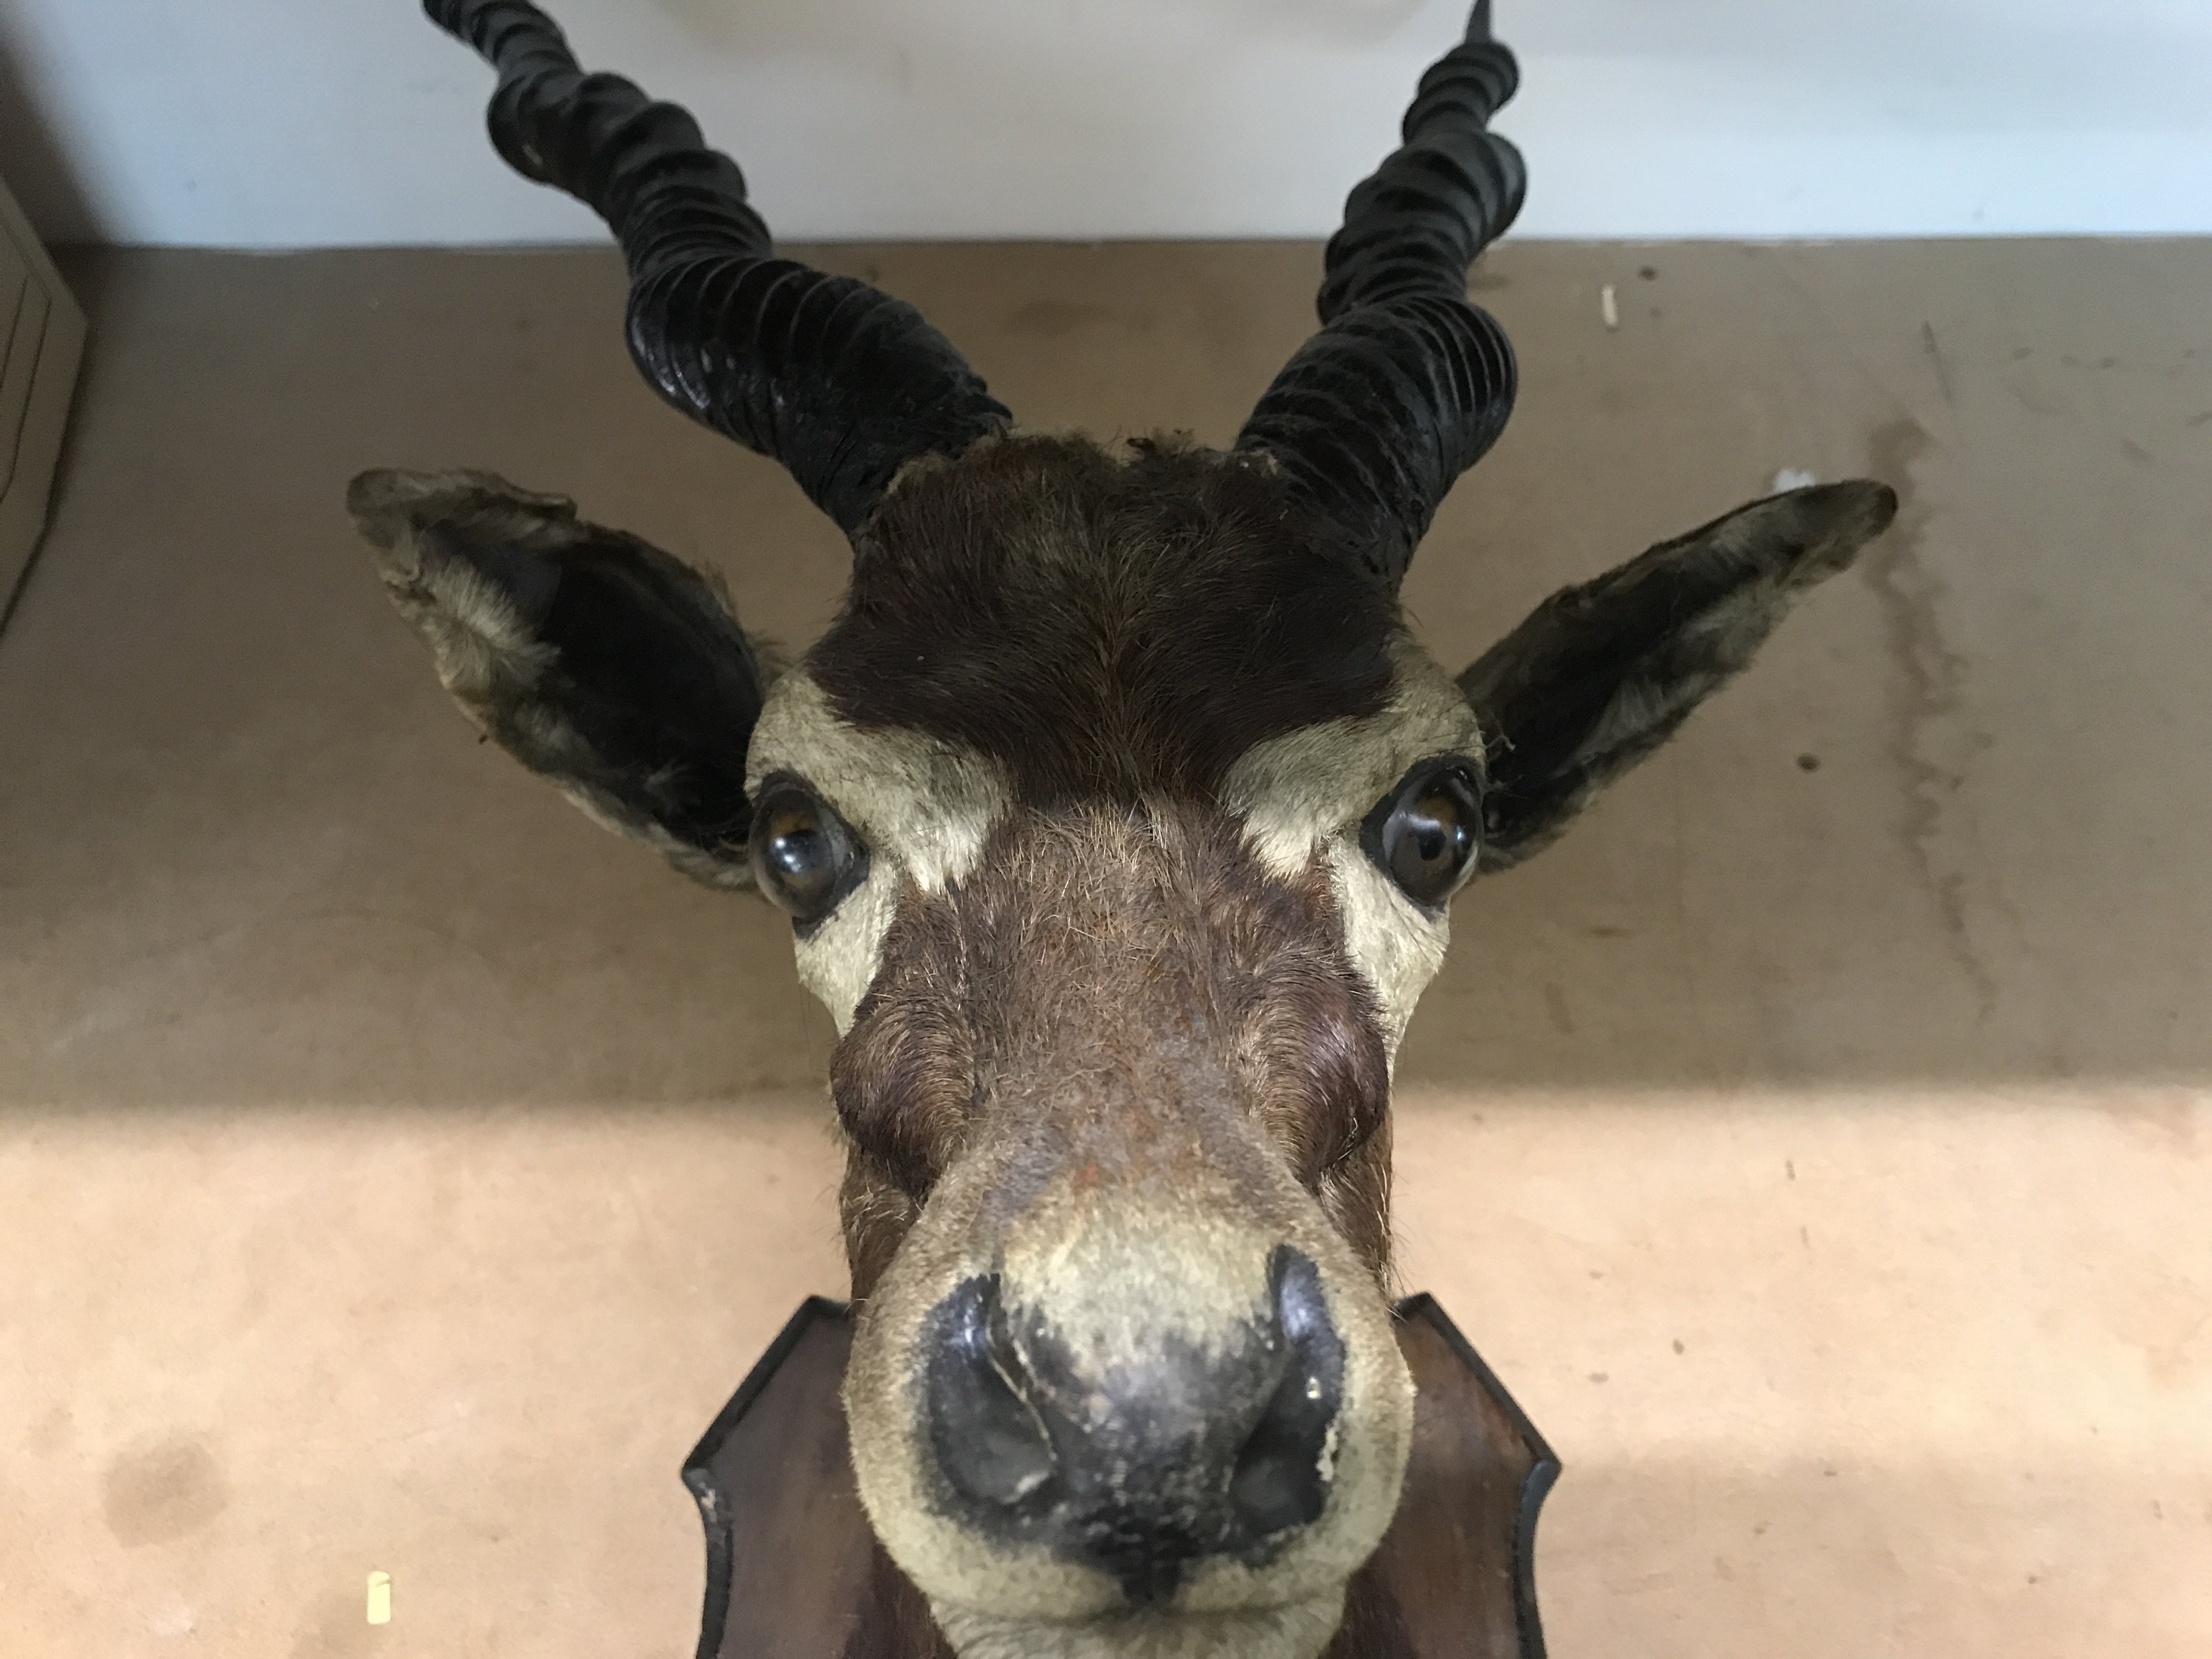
(1118, 816)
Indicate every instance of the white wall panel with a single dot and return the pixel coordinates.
(289, 123)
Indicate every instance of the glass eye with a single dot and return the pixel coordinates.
(1426, 833)
(805, 857)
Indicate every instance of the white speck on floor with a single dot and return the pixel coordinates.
(177, 1619)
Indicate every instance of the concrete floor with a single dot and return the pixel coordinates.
(396, 1172)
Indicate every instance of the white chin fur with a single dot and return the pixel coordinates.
(1298, 1631)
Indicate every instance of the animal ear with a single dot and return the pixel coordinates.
(1600, 675)
(596, 660)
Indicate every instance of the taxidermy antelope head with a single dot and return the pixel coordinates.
(1118, 817)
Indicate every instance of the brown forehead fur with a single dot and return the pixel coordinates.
(1107, 626)
(1128, 980)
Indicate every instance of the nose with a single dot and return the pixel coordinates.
(1145, 1463)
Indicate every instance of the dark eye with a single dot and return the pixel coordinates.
(805, 858)
(1426, 833)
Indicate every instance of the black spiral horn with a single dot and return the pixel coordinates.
(840, 382)
(1406, 384)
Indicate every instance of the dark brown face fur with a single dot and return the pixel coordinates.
(1108, 629)
(1115, 980)
(1116, 634)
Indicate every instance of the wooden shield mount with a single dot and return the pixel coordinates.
(793, 1571)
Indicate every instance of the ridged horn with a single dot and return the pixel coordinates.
(838, 381)
(1408, 384)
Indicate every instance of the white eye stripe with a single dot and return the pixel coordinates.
(1303, 796)
(924, 807)
(1396, 947)
(924, 802)
(838, 960)
(1299, 790)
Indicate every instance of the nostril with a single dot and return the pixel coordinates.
(1285, 1466)
(988, 1439)
(1136, 1465)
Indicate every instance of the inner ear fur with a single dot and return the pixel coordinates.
(1600, 675)
(597, 661)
